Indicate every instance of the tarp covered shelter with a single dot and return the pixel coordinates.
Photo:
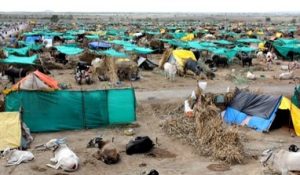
(36, 81)
(180, 56)
(10, 130)
(262, 112)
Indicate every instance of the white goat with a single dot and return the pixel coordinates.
(170, 70)
(15, 157)
(282, 160)
(64, 157)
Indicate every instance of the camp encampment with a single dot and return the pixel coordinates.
(138, 93)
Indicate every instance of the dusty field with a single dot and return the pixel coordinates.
(155, 97)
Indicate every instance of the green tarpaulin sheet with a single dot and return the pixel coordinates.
(142, 50)
(17, 51)
(75, 32)
(249, 40)
(92, 37)
(229, 54)
(114, 53)
(244, 49)
(19, 60)
(178, 35)
(73, 110)
(68, 50)
(34, 47)
(69, 37)
(152, 33)
(285, 49)
(222, 42)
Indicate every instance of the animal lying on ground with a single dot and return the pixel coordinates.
(15, 157)
(139, 145)
(64, 157)
(293, 148)
(170, 71)
(282, 160)
(286, 75)
(107, 152)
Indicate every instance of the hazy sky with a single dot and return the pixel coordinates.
(152, 5)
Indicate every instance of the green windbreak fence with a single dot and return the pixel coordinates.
(73, 110)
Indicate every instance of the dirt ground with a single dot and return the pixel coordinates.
(155, 95)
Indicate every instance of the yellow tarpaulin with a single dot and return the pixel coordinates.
(278, 35)
(181, 57)
(261, 46)
(10, 130)
(295, 113)
(188, 37)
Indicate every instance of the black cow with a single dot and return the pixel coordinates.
(218, 59)
(14, 73)
(245, 58)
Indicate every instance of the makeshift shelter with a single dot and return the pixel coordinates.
(179, 57)
(262, 112)
(10, 130)
(36, 81)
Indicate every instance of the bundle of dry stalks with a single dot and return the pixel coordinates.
(164, 58)
(207, 132)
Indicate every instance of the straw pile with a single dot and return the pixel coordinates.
(126, 70)
(87, 56)
(206, 132)
(164, 58)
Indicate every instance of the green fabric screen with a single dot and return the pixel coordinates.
(73, 110)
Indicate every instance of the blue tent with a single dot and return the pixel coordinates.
(97, 45)
(252, 110)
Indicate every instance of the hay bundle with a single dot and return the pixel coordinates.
(164, 58)
(207, 131)
(87, 56)
(126, 70)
